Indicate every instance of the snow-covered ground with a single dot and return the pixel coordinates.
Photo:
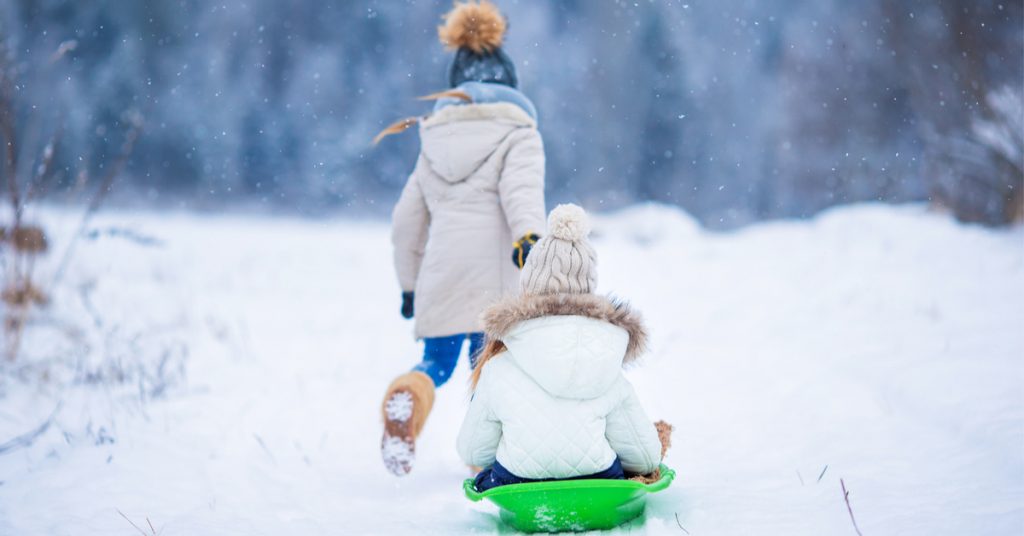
(884, 343)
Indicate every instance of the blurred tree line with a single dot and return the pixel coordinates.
(737, 110)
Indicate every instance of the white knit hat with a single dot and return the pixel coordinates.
(563, 261)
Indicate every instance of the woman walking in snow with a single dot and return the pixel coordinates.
(550, 400)
(475, 196)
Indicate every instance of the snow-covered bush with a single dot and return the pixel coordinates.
(984, 180)
(54, 338)
(106, 344)
(1003, 134)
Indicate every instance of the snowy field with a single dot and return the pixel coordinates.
(881, 345)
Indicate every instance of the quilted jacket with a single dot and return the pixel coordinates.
(477, 186)
(555, 404)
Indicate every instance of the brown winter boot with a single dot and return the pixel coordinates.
(406, 406)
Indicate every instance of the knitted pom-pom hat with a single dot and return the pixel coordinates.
(563, 261)
(475, 31)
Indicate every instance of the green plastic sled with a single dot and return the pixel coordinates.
(570, 505)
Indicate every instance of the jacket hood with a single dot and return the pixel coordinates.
(572, 345)
(457, 140)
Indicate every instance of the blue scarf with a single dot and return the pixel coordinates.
(483, 92)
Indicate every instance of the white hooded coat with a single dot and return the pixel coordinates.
(478, 185)
(555, 404)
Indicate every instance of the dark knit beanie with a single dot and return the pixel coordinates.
(494, 67)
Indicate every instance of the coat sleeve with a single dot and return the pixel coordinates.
(409, 223)
(481, 430)
(632, 435)
(521, 186)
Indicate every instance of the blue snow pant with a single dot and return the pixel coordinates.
(496, 475)
(441, 354)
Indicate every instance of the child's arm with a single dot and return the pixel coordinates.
(521, 186)
(481, 431)
(632, 435)
(409, 223)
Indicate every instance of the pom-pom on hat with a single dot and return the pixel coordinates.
(563, 262)
(478, 26)
(476, 30)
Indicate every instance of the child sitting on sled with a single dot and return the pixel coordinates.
(549, 398)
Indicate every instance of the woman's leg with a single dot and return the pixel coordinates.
(409, 399)
(476, 345)
(407, 404)
(440, 355)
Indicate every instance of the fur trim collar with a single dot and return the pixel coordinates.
(501, 317)
(475, 112)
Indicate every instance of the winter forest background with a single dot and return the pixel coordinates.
(737, 111)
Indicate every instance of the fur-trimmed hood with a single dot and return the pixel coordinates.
(500, 318)
(572, 345)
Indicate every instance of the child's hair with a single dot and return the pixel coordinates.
(402, 124)
(395, 128)
(491, 349)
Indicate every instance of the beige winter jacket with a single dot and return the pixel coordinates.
(477, 186)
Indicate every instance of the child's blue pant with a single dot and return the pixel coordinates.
(441, 354)
(496, 475)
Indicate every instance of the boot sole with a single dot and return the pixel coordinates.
(398, 446)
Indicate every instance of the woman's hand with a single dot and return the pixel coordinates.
(407, 300)
(521, 248)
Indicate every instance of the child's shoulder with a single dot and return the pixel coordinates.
(499, 370)
(622, 387)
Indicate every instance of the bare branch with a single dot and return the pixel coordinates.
(38, 185)
(7, 128)
(130, 137)
(846, 497)
(101, 194)
(264, 446)
(132, 523)
(680, 524)
(28, 438)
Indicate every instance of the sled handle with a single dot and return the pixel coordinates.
(667, 475)
(471, 492)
